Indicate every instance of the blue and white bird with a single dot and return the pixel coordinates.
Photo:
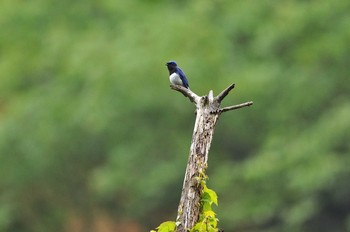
(176, 75)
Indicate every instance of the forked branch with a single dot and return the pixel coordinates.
(224, 93)
(207, 114)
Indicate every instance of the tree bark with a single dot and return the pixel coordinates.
(207, 114)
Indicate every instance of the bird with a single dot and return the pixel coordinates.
(176, 75)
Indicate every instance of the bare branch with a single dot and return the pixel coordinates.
(228, 108)
(224, 93)
(211, 96)
(186, 92)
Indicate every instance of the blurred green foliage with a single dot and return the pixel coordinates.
(90, 127)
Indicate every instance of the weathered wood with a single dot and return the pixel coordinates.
(207, 114)
(187, 92)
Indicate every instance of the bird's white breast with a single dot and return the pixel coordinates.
(175, 79)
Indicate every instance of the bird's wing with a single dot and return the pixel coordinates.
(183, 77)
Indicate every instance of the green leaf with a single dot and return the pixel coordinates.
(206, 206)
(168, 226)
(205, 197)
(212, 194)
(203, 182)
(199, 227)
(209, 213)
(213, 222)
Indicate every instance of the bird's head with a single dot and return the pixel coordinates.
(171, 64)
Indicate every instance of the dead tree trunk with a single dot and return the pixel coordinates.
(207, 114)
